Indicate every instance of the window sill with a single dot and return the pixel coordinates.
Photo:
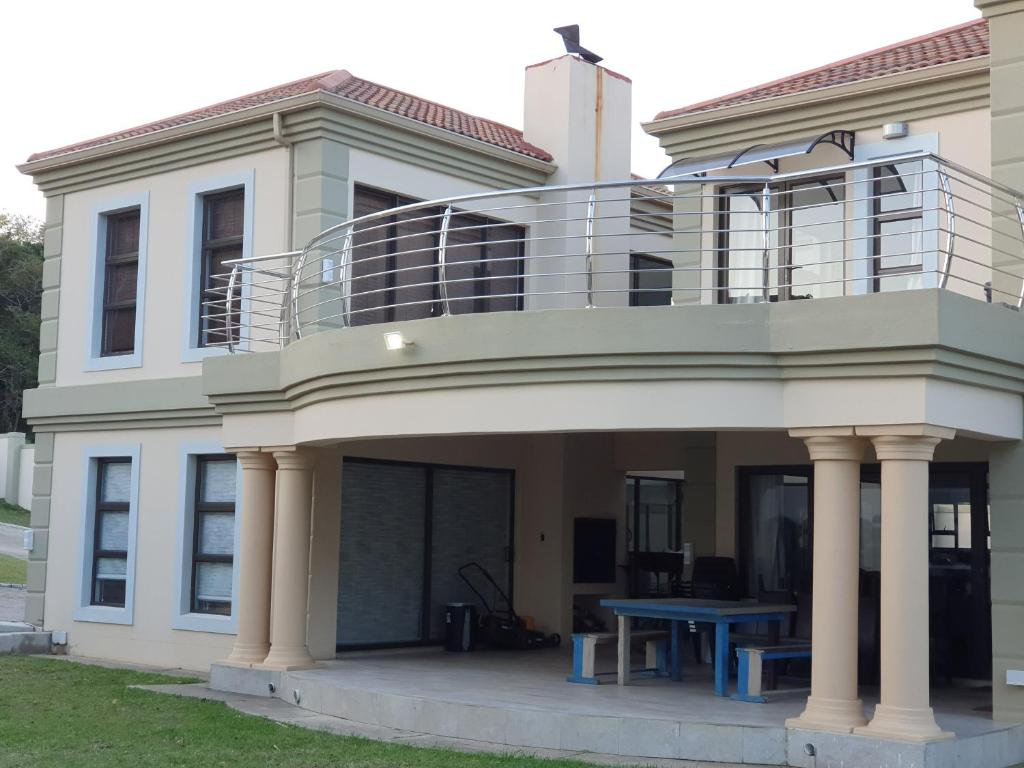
(114, 362)
(205, 622)
(103, 614)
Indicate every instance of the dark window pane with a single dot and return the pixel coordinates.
(464, 253)
(651, 281)
(370, 258)
(504, 255)
(115, 481)
(223, 228)
(109, 592)
(119, 331)
(225, 215)
(123, 233)
(415, 258)
(122, 282)
(898, 186)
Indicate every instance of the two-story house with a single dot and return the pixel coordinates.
(307, 352)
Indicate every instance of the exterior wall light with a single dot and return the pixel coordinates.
(895, 130)
(394, 341)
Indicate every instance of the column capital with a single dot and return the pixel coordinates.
(253, 458)
(905, 447)
(835, 447)
(292, 458)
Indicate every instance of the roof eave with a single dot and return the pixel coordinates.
(262, 111)
(828, 93)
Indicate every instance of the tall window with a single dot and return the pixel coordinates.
(120, 282)
(222, 240)
(805, 242)
(395, 263)
(650, 281)
(110, 545)
(213, 537)
(897, 198)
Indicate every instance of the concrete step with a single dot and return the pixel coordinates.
(24, 643)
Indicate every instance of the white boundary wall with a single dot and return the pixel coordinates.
(17, 463)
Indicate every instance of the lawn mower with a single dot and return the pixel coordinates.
(500, 626)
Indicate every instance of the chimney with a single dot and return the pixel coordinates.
(1006, 110)
(580, 113)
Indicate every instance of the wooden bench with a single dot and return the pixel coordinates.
(751, 661)
(584, 650)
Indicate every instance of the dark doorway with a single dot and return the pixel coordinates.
(405, 530)
(776, 519)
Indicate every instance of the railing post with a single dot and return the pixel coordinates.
(766, 260)
(442, 259)
(293, 288)
(1020, 216)
(345, 277)
(591, 209)
(227, 309)
(947, 267)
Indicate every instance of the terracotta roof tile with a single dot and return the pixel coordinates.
(959, 43)
(340, 83)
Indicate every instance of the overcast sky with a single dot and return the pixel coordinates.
(75, 70)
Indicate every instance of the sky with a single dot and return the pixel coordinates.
(75, 70)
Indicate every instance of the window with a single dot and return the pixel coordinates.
(223, 233)
(110, 531)
(650, 281)
(395, 263)
(110, 500)
(898, 220)
(805, 245)
(120, 282)
(213, 535)
(654, 514)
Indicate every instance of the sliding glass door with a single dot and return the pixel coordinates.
(405, 530)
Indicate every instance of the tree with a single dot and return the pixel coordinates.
(21, 288)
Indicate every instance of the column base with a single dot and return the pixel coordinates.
(288, 659)
(832, 715)
(915, 724)
(247, 655)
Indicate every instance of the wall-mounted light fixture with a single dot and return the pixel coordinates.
(394, 341)
(897, 130)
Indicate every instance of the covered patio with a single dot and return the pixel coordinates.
(521, 700)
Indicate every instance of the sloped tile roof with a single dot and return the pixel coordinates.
(959, 43)
(346, 85)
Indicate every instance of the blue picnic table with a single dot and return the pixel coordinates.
(679, 611)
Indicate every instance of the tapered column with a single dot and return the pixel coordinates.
(290, 590)
(255, 551)
(903, 711)
(833, 704)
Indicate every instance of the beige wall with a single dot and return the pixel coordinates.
(150, 639)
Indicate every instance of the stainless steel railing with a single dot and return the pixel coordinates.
(904, 222)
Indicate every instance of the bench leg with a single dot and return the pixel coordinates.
(583, 652)
(676, 633)
(657, 657)
(721, 658)
(625, 629)
(748, 678)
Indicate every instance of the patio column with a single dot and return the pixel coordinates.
(255, 550)
(903, 712)
(290, 592)
(833, 704)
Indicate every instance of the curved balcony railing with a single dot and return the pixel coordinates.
(909, 221)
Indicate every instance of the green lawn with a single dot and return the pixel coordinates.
(12, 570)
(11, 513)
(58, 713)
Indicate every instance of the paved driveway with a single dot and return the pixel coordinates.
(12, 604)
(11, 542)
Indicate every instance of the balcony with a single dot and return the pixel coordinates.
(908, 222)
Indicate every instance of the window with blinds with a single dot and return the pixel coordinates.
(110, 545)
(120, 282)
(395, 261)
(223, 234)
(213, 534)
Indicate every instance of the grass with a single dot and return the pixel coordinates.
(12, 570)
(59, 713)
(12, 513)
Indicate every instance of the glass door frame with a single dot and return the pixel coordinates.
(783, 248)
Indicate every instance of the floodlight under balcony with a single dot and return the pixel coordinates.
(394, 341)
